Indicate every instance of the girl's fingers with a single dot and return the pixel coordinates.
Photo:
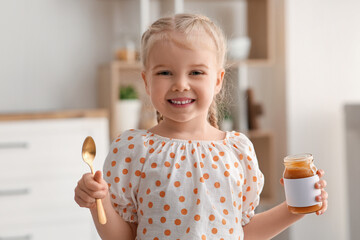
(323, 208)
(323, 196)
(320, 184)
(282, 181)
(83, 199)
(320, 172)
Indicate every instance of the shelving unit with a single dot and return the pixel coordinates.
(259, 28)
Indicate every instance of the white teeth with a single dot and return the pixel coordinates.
(181, 102)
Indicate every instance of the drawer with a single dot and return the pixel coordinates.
(70, 230)
(37, 200)
(45, 156)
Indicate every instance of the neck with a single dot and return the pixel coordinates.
(187, 130)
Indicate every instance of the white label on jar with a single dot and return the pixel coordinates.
(301, 192)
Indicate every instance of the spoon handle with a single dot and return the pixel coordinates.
(100, 211)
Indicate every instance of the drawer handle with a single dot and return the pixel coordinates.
(14, 192)
(25, 237)
(12, 145)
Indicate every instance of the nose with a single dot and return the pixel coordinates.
(181, 83)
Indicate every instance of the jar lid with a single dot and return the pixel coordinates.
(299, 157)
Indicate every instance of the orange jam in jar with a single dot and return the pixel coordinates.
(299, 183)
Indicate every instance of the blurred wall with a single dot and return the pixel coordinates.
(323, 54)
(50, 51)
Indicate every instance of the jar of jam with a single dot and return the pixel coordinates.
(299, 183)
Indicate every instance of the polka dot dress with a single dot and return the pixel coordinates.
(180, 189)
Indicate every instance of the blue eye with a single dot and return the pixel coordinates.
(164, 73)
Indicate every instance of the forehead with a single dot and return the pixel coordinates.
(195, 43)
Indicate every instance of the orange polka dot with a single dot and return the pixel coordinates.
(226, 173)
(211, 217)
(188, 230)
(231, 230)
(143, 175)
(214, 166)
(248, 189)
(150, 221)
(188, 174)
(117, 179)
(137, 173)
(206, 176)
(244, 198)
(153, 165)
(217, 185)
(108, 173)
(148, 191)
(249, 158)
(202, 179)
(150, 205)
(172, 155)
(236, 164)
(197, 217)
(151, 150)
(168, 176)
(177, 184)
(182, 199)
(227, 166)
(131, 146)
(162, 194)
(203, 237)
(197, 201)
(254, 179)
(195, 190)
(177, 222)
(241, 157)
(167, 164)
(193, 151)
(127, 159)
(222, 199)
(156, 238)
(221, 153)
(166, 207)
(201, 164)
(203, 155)
(113, 163)
(177, 165)
(125, 171)
(237, 134)
(142, 160)
(167, 232)
(223, 222)
(214, 231)
(184, 211)
(225, 211)
(115, 150)
(158, 183)
(183, 158)
(113, 196)
(216, 158)
(249, 167)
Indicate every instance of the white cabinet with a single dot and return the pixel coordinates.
(40, 165)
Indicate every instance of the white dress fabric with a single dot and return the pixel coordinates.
(180, 189)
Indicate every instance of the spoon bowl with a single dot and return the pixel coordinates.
(88, 155)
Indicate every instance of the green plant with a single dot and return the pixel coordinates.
(127, 92)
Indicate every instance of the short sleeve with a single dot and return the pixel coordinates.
(123, 171)
(253, 178)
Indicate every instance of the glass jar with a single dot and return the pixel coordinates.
(299, 183)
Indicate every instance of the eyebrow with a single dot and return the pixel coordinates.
(193, 65)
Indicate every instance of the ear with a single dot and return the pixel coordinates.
(219, 80)
(143, 76)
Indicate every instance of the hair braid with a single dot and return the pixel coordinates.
(159, 116)
(212, 114)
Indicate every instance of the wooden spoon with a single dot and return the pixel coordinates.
(88, 155)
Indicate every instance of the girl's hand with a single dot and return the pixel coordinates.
(323, 196)
(89, 188)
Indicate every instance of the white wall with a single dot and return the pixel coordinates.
(323, 54)
(49, 53)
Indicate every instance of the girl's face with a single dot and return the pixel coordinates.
(182, 81)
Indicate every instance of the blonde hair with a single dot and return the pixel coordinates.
(191, 25)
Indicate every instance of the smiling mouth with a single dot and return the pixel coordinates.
(181, 102)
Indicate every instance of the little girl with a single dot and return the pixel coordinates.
(183, 178)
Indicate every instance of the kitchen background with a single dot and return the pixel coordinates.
(51, 52)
